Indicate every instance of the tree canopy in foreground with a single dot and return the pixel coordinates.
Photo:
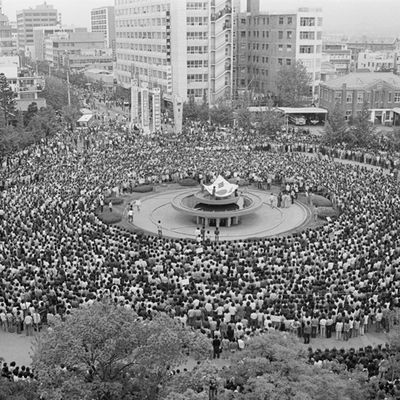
(106, 352)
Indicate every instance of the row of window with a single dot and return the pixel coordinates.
(141, 35)
(201, 93)
(361, 96)
(143, 47)
(197, 49)
(264, 60)
(265, 20)
(196, 35)
(141, 22)
(142, 71)
(139, 10)
(197, 78)
(196, 20)
(142, 59)
(196, 5)
(197, 63)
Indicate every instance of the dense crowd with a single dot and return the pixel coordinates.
(340, 279)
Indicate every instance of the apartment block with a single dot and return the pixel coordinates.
(182, 47)
(42, 32)
(103, 20)
(78, 51)
(27, 19)
(265, 42)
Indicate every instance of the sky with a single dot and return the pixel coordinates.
(350, 17)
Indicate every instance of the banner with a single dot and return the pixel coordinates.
(156, 110)
(134, 101)
(145, 107)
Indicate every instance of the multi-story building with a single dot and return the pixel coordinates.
(6, 41)
(182, 47)
(378, 61)
(40, 33)
(362, 44)
(103, 20)
(338, 55)
(26, 85)
(77, 51)
(265, 42)
(42, 15)
(380, 91)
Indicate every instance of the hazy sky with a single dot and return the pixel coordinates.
(351, 17)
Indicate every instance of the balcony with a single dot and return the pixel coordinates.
(225, 11)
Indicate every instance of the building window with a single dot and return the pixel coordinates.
(288, 61)
(289, 34)
(389, 97)
(306, 49)
(289, 47)
(360, 97)
(280, 35)
(280, 61)
(305, 21)
(280, 20)
(349, 97)
(307, 35)
(397, 97)
(289, 20)
(243, 34)
(280, 47)
(338, 97)
(348, 115)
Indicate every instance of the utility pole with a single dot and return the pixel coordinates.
(69, 89)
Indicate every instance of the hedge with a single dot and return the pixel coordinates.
(188, 182)
(116, 201)
(143, 189)
(320, 201)
(327, 212)
(110, 218)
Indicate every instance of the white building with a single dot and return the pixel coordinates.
(42, 15)
(103, 20)
(26, 86)
(378, 61)
(40, 33)
(182, 47)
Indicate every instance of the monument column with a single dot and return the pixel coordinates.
(144, 91)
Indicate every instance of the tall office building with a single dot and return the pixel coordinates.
(7, 47)
(265, 42)
(42, 15)
(182, 47)
(103, 20)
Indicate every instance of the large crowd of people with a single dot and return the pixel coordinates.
(337, 280)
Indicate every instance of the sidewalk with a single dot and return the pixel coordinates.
(16, 347)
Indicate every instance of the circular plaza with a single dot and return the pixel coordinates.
(168, 208)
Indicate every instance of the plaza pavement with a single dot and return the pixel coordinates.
(264, 222)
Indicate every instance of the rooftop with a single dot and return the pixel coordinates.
(362, 80)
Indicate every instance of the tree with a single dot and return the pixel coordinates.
(274, 367)
(109, 353)
(222, 115)
(244, 118)
(7, 100)
(336, 129)
(269, 122)
(293, 85)
(193, 111)
(56, 93)
(30, 113)
(363, 129)
(70, 115)
(20, 390)
(44, 124)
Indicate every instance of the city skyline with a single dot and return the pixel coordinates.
(354, 17)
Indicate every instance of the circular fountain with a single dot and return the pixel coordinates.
(218, 204)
